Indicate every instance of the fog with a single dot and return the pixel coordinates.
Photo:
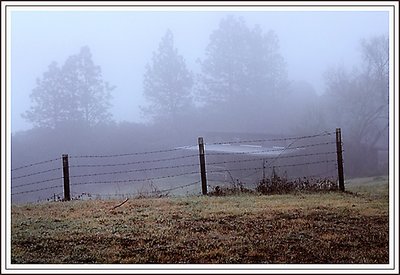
(122, 43)
(137, 88)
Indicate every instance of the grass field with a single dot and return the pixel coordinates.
(332, 227)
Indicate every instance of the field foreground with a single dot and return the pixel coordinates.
(310, 228)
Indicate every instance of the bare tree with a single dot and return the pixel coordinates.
(359, 100)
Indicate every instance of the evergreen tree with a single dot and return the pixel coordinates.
(167, 83)
(243, 79)
(241, 63)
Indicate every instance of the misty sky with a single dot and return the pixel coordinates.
(122, 42)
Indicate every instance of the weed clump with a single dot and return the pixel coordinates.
(279, 185)
(230, 190)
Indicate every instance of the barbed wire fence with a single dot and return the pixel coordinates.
(311, 160)
(234, 163)
(133, 174)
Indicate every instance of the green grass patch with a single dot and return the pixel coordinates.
(374, 187)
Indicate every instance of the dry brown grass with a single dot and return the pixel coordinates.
(297, 228)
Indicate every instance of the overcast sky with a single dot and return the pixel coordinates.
(122, 42)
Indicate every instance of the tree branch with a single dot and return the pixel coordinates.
(119, 204)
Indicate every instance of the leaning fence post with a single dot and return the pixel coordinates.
(67, 196)
(202, 166)
(339, 158)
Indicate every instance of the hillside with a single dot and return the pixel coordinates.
(329, 227)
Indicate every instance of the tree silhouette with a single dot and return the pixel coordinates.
(241, 63)
(73, 93)
(358, 101)
(243, 78)
(167, 83)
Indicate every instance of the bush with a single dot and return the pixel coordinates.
(278, 185)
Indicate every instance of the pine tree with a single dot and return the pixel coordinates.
(241, 63)
(167, 83)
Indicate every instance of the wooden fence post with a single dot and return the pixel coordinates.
(67, 196)
(202, 166)
(339, 158)
(263, 176)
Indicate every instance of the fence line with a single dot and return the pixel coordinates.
(41, 189)
(132, 154)
(260, 168)
(269, 140)
(130, 163)
(136, 180)
(136, 170)
(156, 168)
(305, 163)
(36, 173)
(140, 193)
(315, 175)
(287, 147)
(272, 150)
(179, 187)
(124, 194)
(259, 158)
(34, 164)
(36, 182)
(325, 173)
(212, 171)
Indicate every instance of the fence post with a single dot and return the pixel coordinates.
(339, 158)
(202, 166)
(67, 196)
(263, 178)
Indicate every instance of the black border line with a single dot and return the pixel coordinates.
(393, 7)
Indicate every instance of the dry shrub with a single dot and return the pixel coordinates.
(229, 190)
(278, 185)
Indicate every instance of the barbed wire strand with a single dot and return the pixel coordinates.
(136, 170)
(133, 154)
(266, 151)
(36, 182)
(259, 168)
(130, 163)
(301, 164)
(315, 175)
(179, 187)
(142, 193)
(290, 178)
(36, 163)
(273, 139)
(274, 160)
(136, 180)
(36, 173)
(41, 189)
(258, 159)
